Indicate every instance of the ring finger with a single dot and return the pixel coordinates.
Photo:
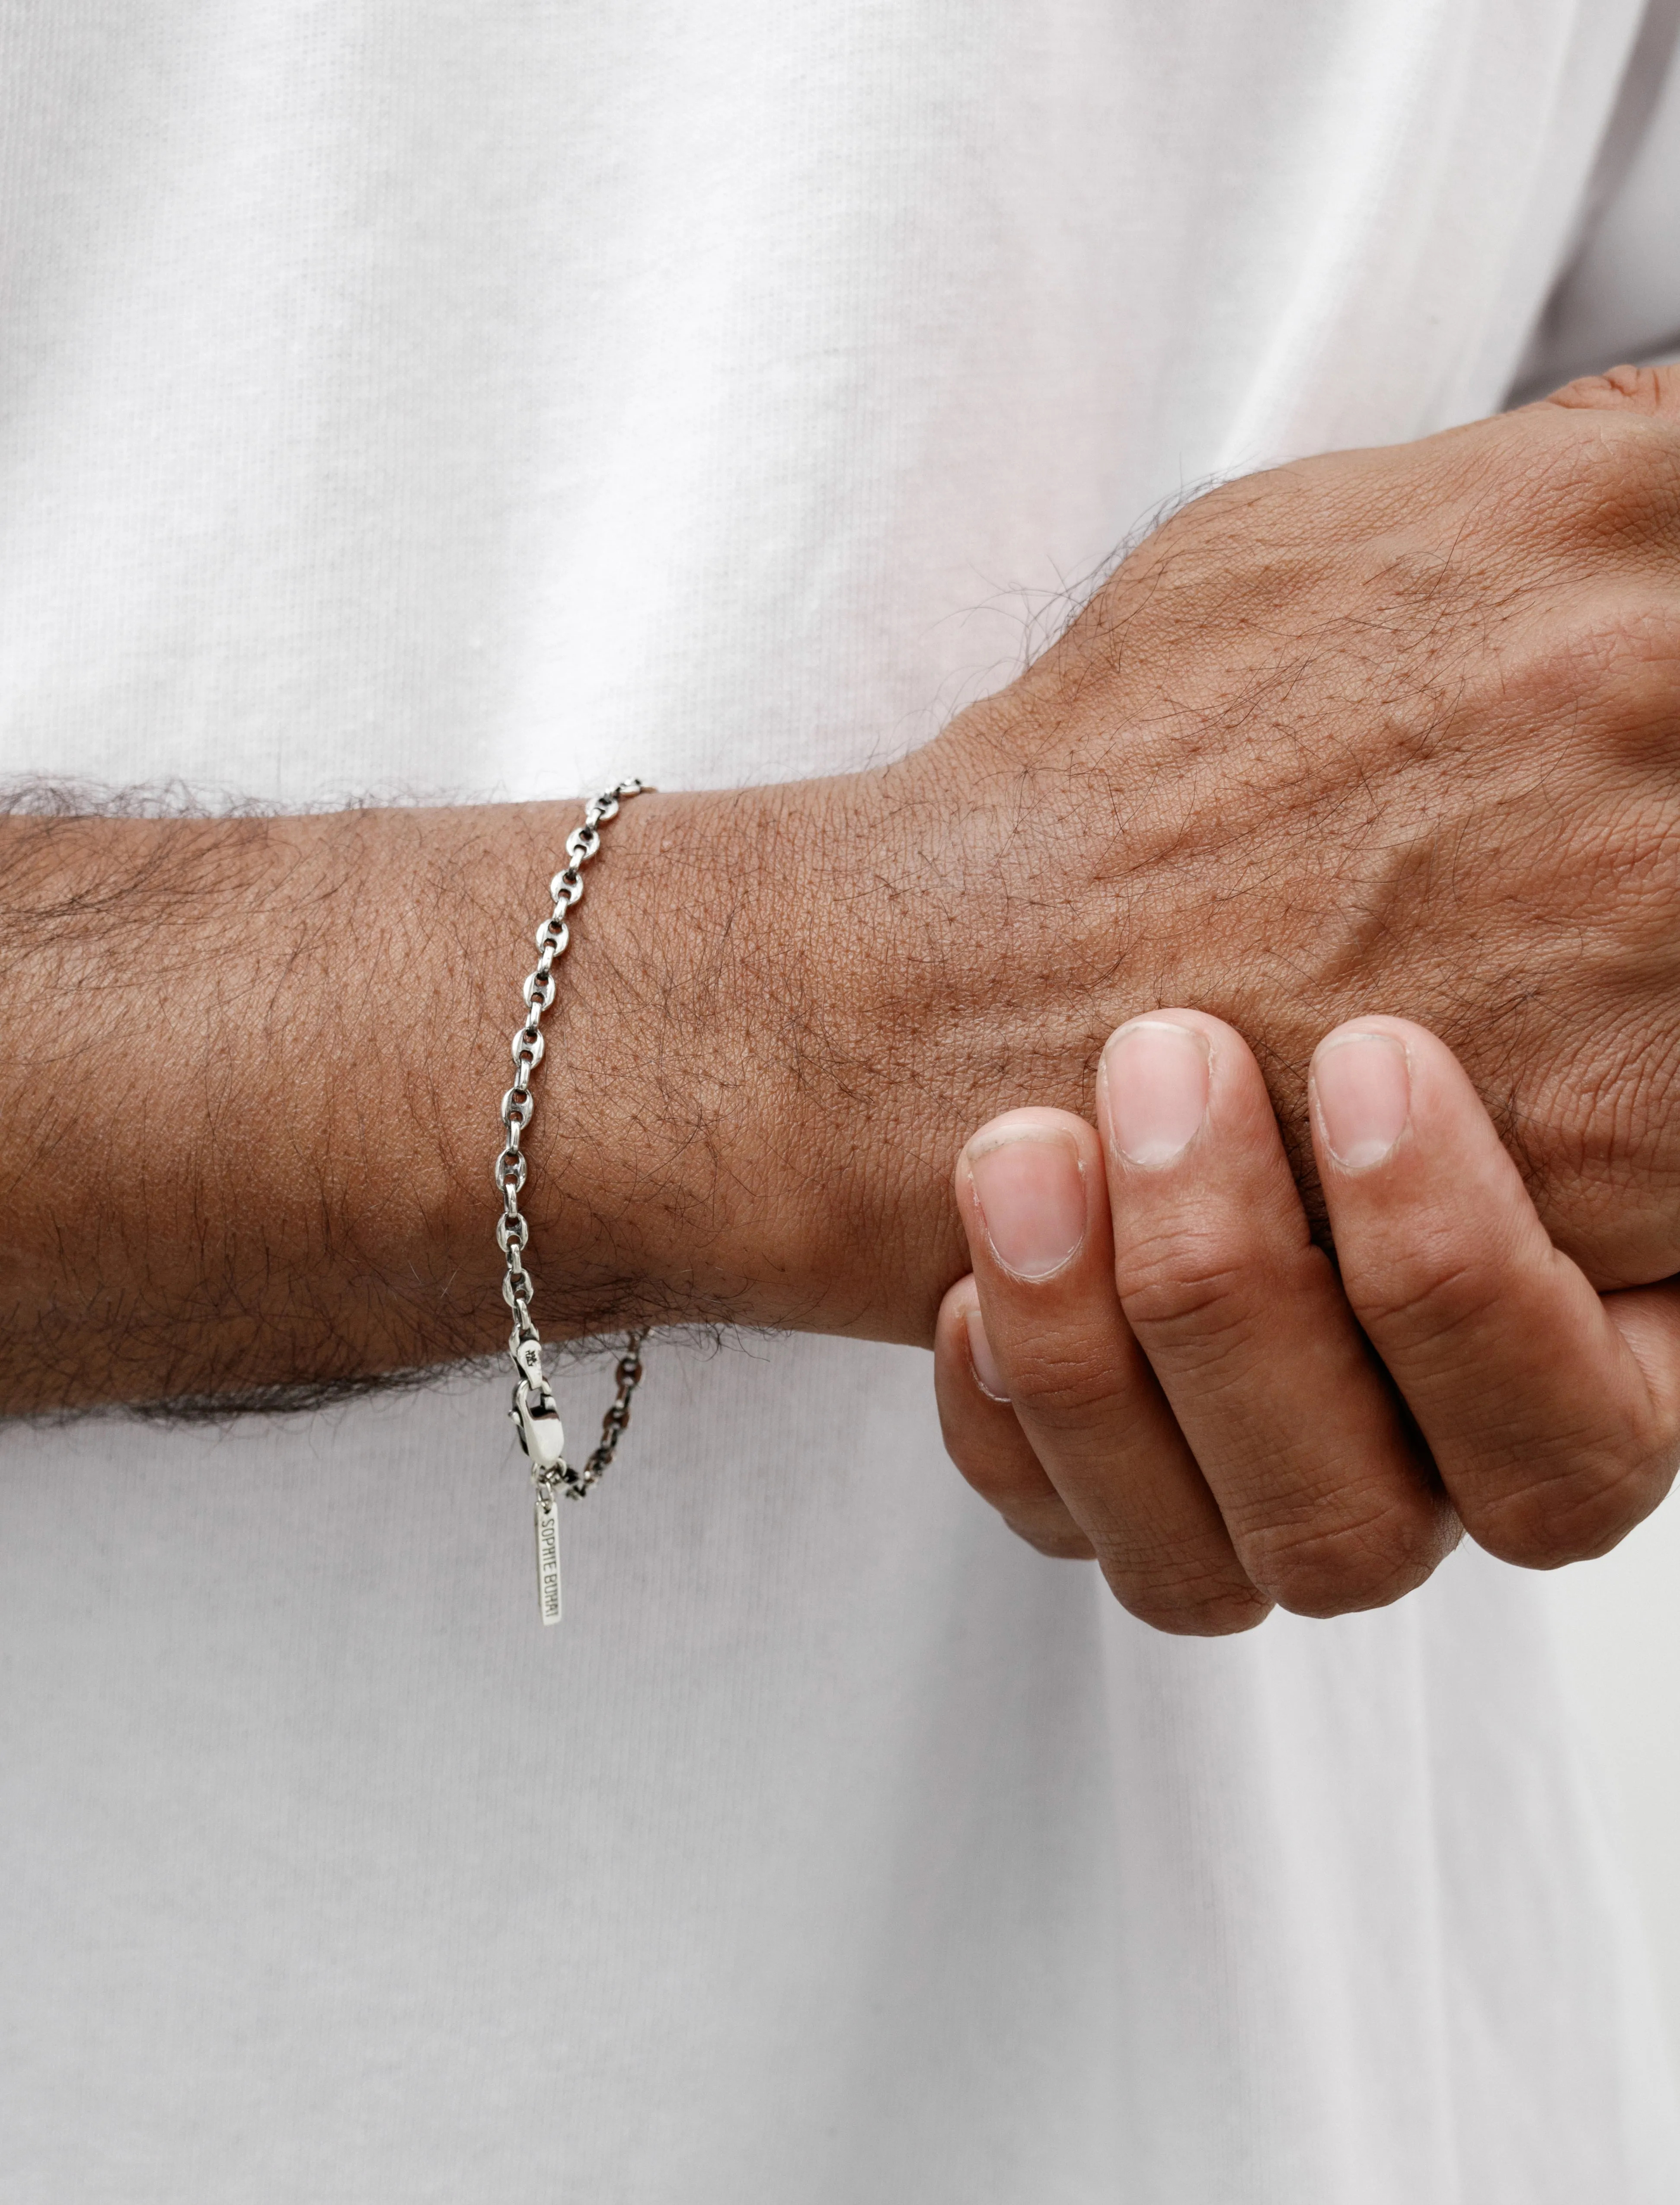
(1330, 1502)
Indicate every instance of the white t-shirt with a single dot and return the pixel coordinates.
(493, 400)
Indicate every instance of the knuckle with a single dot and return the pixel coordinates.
(1187, 1586)
(1574, 1512)
(1610, 663)
(1004, 1485)
(1007, 1479)
(1611, 470)
(1592, 845)
(1184, 1296)
(1318, 1568)
(1067, 1384)
(1051, 1533)
(1423, 1301)
(1648, 390)
(1194, 1605)
(1600, 1115)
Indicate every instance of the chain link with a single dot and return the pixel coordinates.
(535, 1413)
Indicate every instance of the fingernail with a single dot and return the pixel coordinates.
(988, 1376)
(1031, 1195)
(1363, 1086)
(1155, 1075)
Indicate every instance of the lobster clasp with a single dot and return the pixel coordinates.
(541, 1435)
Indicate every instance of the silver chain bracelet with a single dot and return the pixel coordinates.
(535, 1412)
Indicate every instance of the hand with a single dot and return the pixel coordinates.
(1390, 727)
(1152, 1362)
(1393, 727)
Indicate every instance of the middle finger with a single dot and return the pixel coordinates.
(1330, 1501)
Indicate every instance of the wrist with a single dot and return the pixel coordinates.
(673, 1139)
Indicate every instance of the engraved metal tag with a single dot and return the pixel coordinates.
(548, 1555)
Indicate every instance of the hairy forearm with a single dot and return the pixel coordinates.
(1386, 730)
(249, 1071)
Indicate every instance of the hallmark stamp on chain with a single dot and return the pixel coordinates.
(548, 1555)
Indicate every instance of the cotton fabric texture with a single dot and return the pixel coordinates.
(493, 401)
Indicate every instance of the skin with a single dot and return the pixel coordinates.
(1384, 728)
(1152, 1362)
